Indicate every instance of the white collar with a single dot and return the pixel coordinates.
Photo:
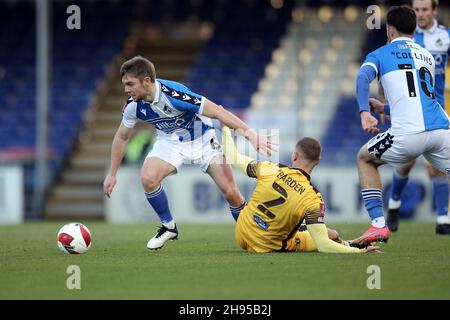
(402, 39)
(431, 29)
(157, 92)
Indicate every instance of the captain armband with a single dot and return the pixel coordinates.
(252, 168)
(315, 214)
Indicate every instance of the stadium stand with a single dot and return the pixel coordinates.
(278, 64)
(343, 136)
(178, 55)
(78, 61)
(306, 73)
(239, 51)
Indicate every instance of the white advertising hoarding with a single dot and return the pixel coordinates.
(11, 194)
(193, 196)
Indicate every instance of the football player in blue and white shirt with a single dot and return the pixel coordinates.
(420, 125)
(436, 39)
(185, 134)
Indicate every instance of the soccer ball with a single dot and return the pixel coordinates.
(74, 238)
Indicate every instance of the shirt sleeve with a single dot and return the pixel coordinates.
(448, 51)
(260, 169)
(315, 213)
(372, 61)
(234, 157)
(129, 118)
(319, 234)
(365, 76)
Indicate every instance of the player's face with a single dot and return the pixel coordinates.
(134, 87)
(424, 12)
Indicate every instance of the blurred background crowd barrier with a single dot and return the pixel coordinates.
(278, 64)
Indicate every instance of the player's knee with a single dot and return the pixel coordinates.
(150, 182)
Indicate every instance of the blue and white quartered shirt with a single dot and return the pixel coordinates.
(437, 41)
(406, 71)
(175, 112)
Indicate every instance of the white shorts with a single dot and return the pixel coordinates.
(400, 149)
(199, 152)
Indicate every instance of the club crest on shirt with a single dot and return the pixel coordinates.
(167, 109)
(215, 144)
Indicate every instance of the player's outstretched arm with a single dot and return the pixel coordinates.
(232, 154)
(365, 76)
(319, 234)
(118, 148)
(261, 143)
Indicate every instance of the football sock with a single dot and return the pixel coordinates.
(440, 197)
(236, 210)
(158, 201)
(374, 205)
(170, 225)
(398, 184)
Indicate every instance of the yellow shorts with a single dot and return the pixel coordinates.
(300, 242)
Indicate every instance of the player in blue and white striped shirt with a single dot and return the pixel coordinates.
(436, 39)
(185, 134)
(420, 125)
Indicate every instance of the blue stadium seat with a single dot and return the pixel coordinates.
(237, 54)
(78, 61)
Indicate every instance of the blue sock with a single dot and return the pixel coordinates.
(158, 201)
(373, 202)
(236, 210)
(440, 195)
(398, 184)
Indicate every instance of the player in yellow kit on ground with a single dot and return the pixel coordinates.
(283, 198)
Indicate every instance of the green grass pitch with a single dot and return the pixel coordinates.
(206, 263)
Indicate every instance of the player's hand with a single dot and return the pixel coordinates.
(371, 249)
(369, 123)
(378, 107)
(262, 143)
(108, 185)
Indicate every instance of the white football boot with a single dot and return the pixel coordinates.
(164, 234)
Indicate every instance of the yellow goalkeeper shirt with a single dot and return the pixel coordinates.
(283, 198)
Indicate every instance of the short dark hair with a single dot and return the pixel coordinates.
(309, 148)
(138, 67)
(434, 4)
(402, 18)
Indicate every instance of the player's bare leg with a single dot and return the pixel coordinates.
(370, 183)
(399, 181)
(154, 170)
(440, 198)
(222, 174)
